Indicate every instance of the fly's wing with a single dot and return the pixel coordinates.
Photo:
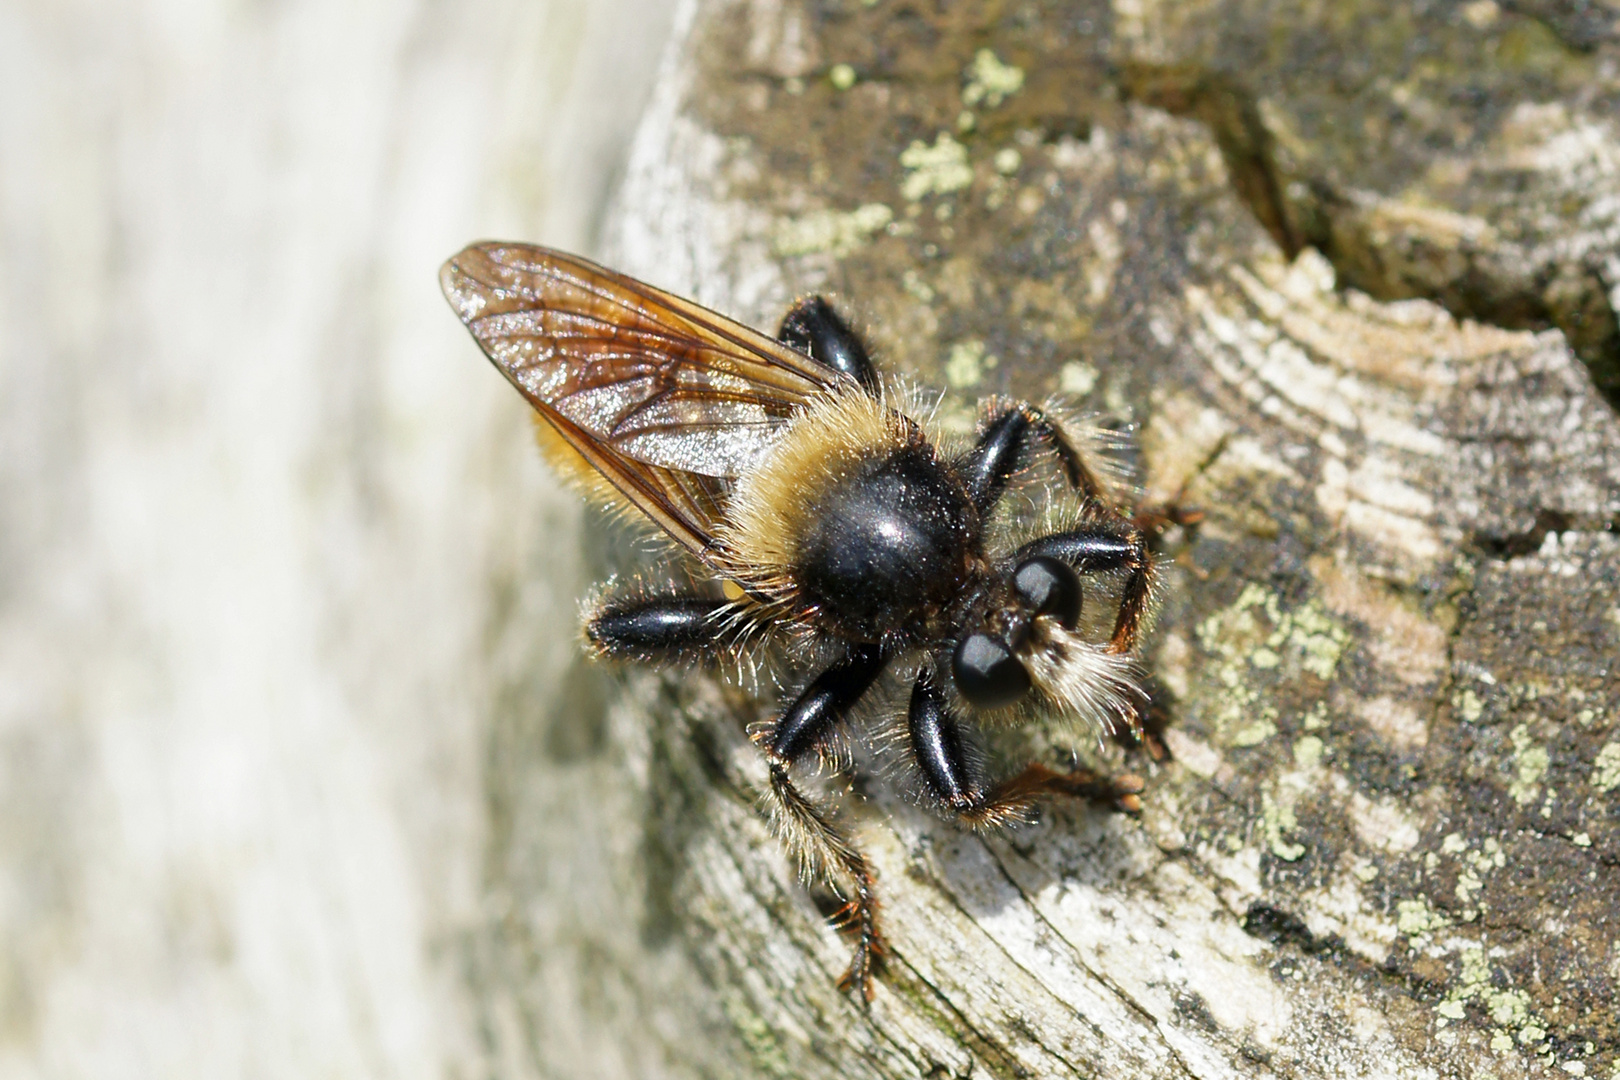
(665, 398)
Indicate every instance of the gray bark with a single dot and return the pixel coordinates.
(299, 774)
(1352, 271)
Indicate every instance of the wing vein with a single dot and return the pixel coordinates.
(667, 400)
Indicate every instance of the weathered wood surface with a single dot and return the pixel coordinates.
(1352, 269)
(255, 486)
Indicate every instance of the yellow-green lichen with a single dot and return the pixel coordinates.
(842, 76)
(1477, 865)
(829, 230)
(1468, 886)
(1254, 734)
(1531, 761)
(1255, 633)
(935, 170)
(1242, 705)
(1508, 1009)
(1606, 769)
(1490, 857)
(1529, 689)
(916, 287)
(1308, 751)
(1415, 918)
(1511, 1008)
(1077, 378)
(1314, 637)
(989, 81)
(1277, 817)
(966, 364)
(1469, 707)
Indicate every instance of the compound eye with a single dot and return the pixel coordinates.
(987, 673)
(1050, 587)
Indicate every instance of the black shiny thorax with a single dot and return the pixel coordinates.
(890, 546)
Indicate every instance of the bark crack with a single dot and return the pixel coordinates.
(1118, 991)
(1517, 286)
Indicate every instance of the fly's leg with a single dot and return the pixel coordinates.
(952, 777)
(1000, 452)
(668, 628)
(659, 628)
(1010, 801)
(1109, 545)
(822, 851)
(826, 854)
(815, 329)
(1013, 426)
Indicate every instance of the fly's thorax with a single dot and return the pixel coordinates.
(855, 520)
(886, 549)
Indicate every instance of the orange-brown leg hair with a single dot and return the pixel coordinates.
(824, 853)
(1155, 518)
(942, 758)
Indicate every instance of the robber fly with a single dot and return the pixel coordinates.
(822, 519)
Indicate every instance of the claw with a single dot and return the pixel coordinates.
(866, 962)
(857, 978)
(1156, 519)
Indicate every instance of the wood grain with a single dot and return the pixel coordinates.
(1315, 258)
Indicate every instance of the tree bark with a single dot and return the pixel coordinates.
(1352, 273)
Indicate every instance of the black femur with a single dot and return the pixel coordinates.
(1049, 587)
(987, 673)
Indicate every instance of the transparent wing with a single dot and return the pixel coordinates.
(665, 398)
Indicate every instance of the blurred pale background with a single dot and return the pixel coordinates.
(257, 496)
